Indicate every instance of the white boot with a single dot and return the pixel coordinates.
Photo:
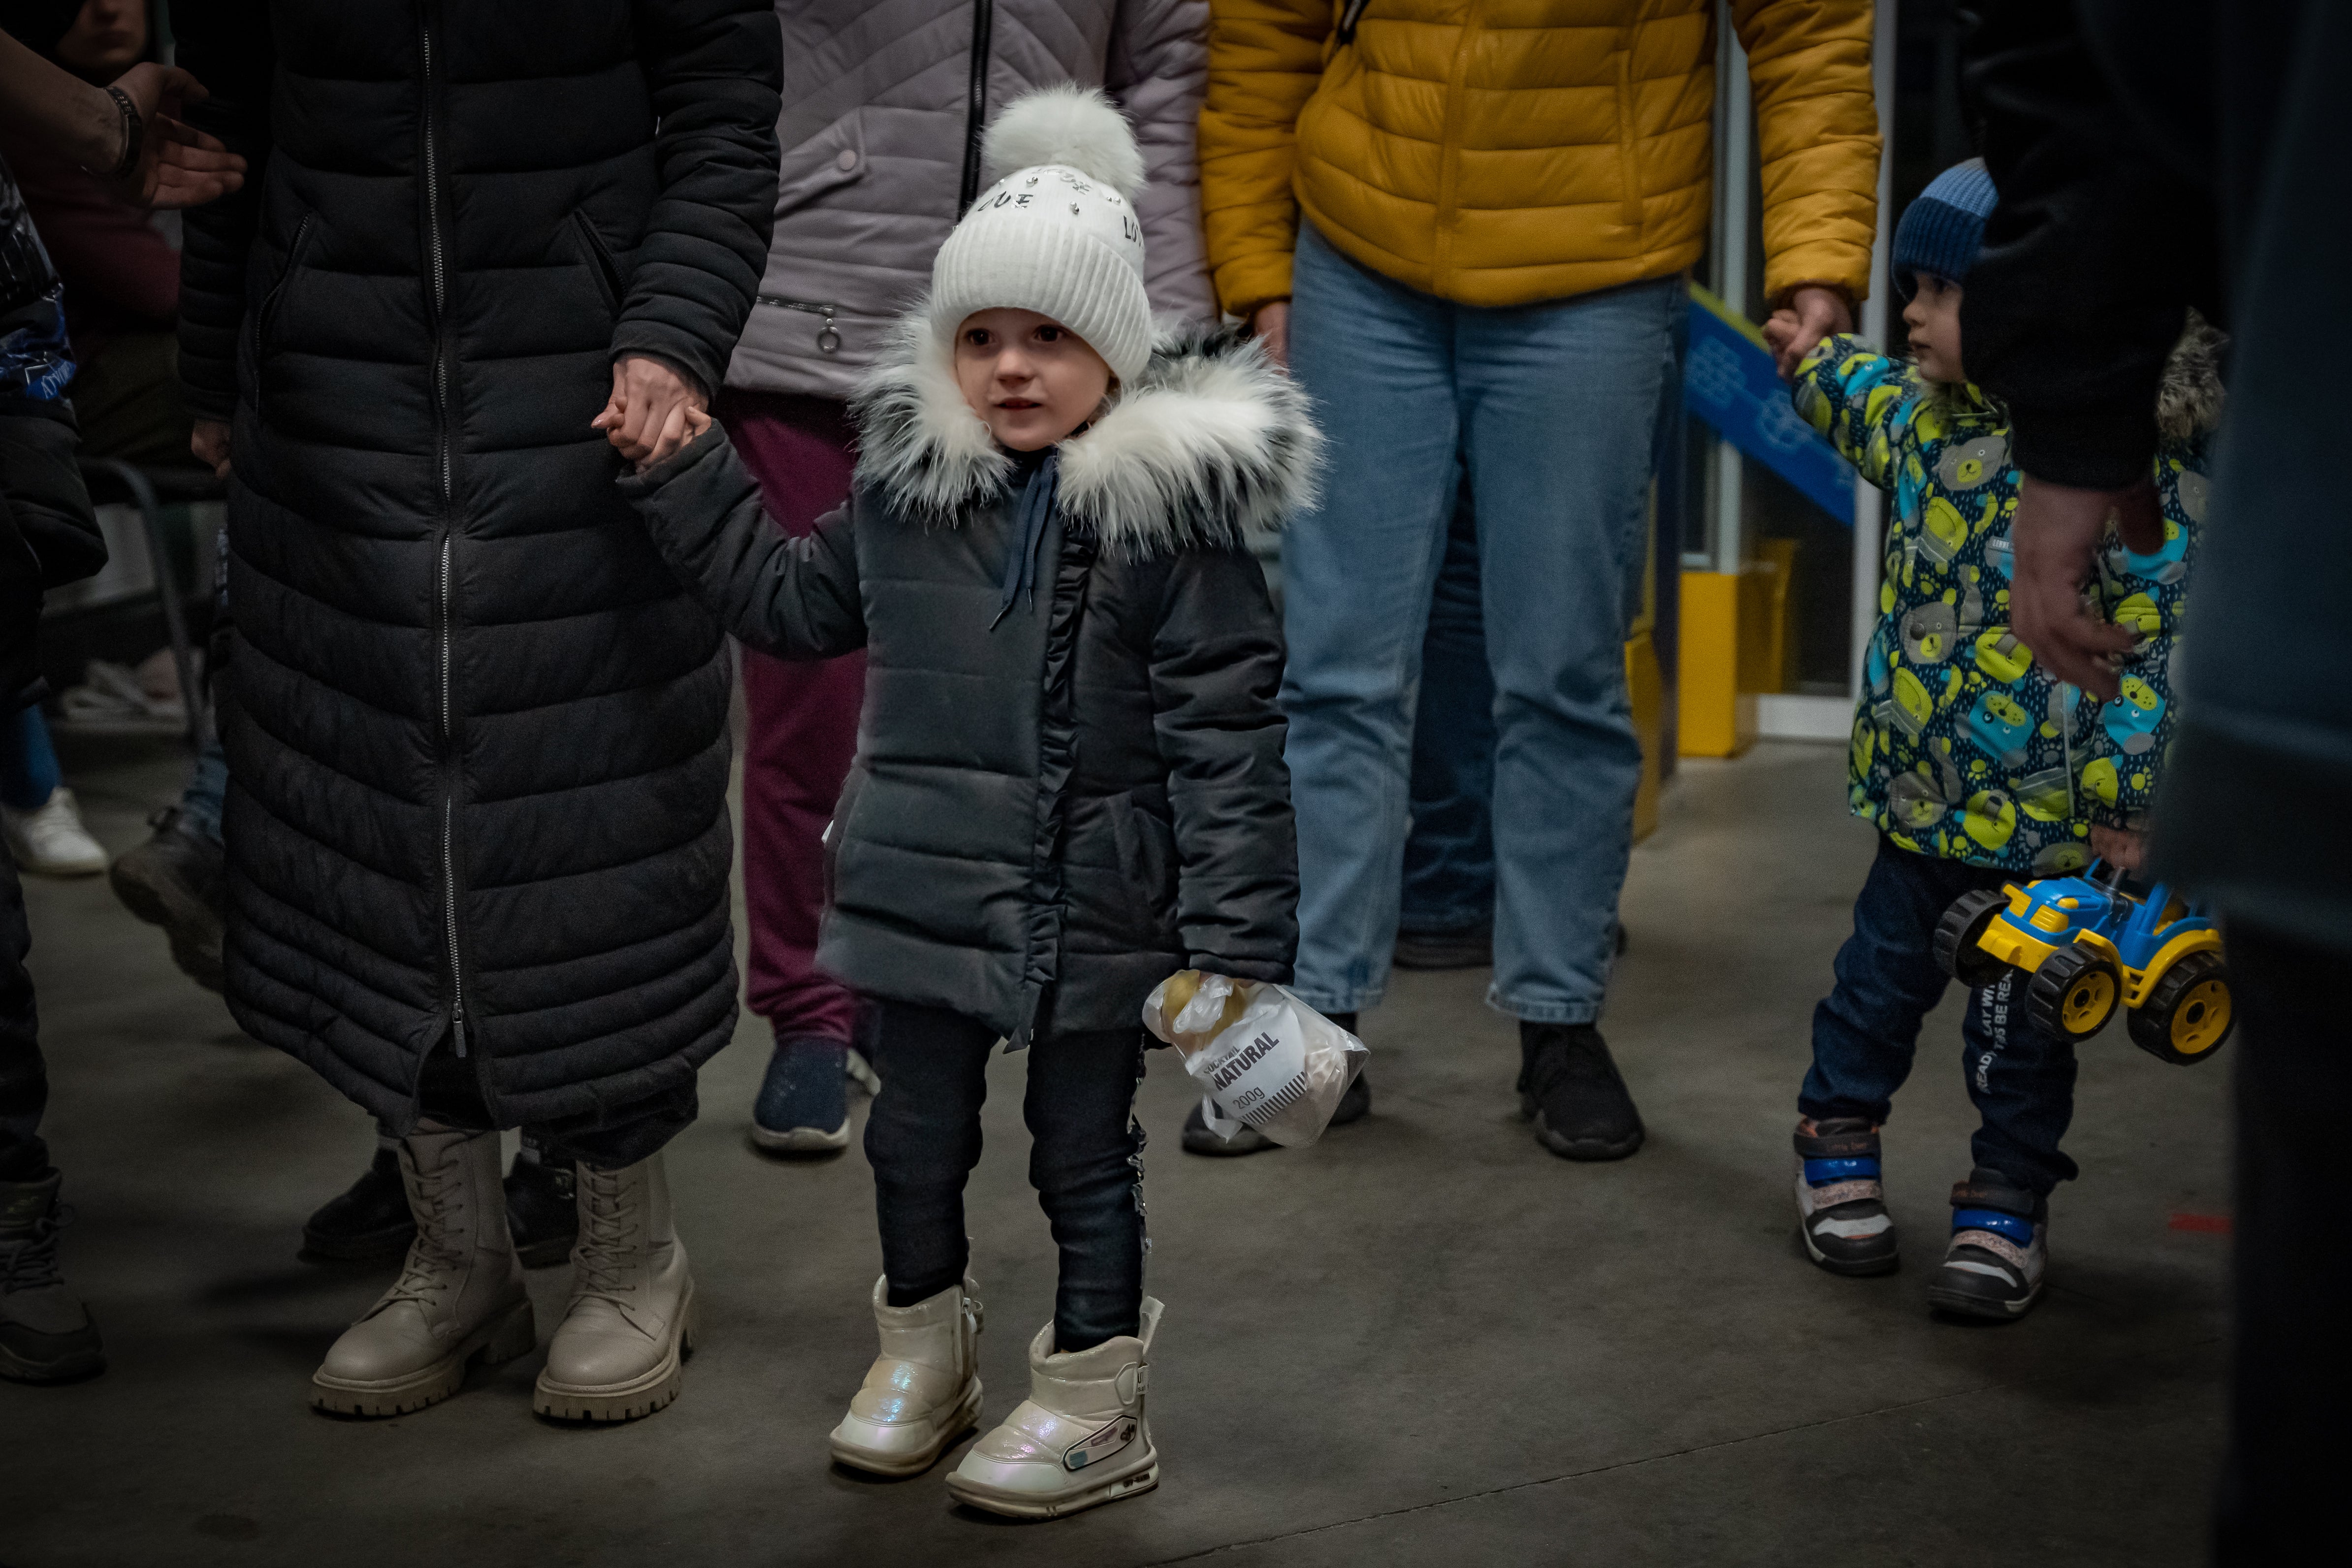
(922, 1392)
(1080, 1439)
(621, 1351)
(459, 1295)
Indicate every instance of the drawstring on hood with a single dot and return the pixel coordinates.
(1032, 512)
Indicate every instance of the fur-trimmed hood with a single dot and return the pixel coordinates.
(2188, 399)
(1210, 445)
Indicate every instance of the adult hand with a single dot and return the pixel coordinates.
(645, 418)
(2119, 847)
(210, 444)
(1797, 328)
(1270, 323)
(178, 165)
(2054, 538)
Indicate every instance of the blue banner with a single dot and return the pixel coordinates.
(1729, 381)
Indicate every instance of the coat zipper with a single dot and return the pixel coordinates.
(828, 338)
(1449, 153)
(437, 263)
(975, 119)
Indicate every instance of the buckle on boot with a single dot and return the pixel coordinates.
(1100, 1445)
(1850, 1140)
(1973, 1194)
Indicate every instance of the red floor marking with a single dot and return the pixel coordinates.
(2182, 1220)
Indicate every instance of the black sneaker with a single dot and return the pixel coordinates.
(369, 1221)
(1841, 1200)
(1200, 1138)
(46, 1336)
(174, 881)
(1569, 1088)
(1999, 1252)
(542, 1211)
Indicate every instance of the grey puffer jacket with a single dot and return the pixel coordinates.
(883, 111)
(1057, 802)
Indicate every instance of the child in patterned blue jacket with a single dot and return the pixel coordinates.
(1974, 764)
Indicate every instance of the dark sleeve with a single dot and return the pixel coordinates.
(793, 598)
(226, 46)
(40, 484)
(1216, 670)
(2091, 260)
(714, 68)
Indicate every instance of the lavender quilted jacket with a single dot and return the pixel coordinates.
(880, 153)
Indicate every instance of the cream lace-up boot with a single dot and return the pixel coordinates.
(922, 1392)
(1080, 1439)
(460, 1294)
(621, 1351)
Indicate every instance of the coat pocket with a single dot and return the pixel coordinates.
(597, 256)
(834, 831)
(1147, 854)
(262, 321)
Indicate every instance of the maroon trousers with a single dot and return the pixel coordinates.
(804, 728)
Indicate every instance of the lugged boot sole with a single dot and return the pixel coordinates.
(504, 1338)
(899, 1466)
(630, 1401)
(1033, 1505)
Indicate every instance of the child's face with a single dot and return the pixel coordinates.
(1934, 318)
(1032, 380)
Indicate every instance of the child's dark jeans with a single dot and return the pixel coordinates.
(1084, 1160)
(2020, 1076)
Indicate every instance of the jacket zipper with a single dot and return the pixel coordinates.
(1349, 18)
(975, 120)
(828, 338)
(1441, 258)
(437, 263)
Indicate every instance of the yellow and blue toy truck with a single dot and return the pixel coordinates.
(2089, 946)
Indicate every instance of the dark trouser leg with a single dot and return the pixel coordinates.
(1086, 1160)
(922, 1139)
(1867, 1030)
(24, 1082)
(2292, 1372)
(1449, 860)
(2021, 1079)
(450, 1095)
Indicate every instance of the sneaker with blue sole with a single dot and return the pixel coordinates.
(804, 1104)
(2000, 1252)
(1841, 1200)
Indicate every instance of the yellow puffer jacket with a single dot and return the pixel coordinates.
(1504, 152)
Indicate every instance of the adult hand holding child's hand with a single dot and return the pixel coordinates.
(652, 411)
(2055, 537)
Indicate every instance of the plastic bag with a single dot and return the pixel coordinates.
(1262, 1056)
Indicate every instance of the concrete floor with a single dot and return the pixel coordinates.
(1425, 1339)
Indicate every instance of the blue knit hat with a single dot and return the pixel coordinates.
(1940, 232)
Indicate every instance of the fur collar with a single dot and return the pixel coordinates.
(2188, 399)
(1212, 443)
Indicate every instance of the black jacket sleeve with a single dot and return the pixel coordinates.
(225, 45)
(793, 598)
(715, 69)
(2098, 246)
(1216, 671)
(49, 534)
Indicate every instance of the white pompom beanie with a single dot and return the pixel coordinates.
(1057, 232)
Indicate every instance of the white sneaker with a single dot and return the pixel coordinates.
(49, 839)
(922, 1392)
(1080, 1439)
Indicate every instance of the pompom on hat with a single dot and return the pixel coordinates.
(1057, 232)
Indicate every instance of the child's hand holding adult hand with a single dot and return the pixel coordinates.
(2055, 539)
(648, 415)
(1797, 328)
(697, 421)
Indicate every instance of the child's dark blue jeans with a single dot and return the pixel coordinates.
(2020, 1076)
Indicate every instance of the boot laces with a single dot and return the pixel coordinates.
(28, 1261)
(434, 1257)
(600, 1261)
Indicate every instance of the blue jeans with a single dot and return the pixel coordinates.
(1552, 409)
(206, 794)
(2019, 1076)
(1449, 856)
(29, 760)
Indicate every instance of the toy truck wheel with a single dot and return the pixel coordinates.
(1957, 952)
(2188, 1014)
(2075, 993)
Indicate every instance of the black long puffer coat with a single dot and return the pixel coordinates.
(476, 732)
(1053, 808)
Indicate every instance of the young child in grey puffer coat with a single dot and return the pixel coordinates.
(1069, 781)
